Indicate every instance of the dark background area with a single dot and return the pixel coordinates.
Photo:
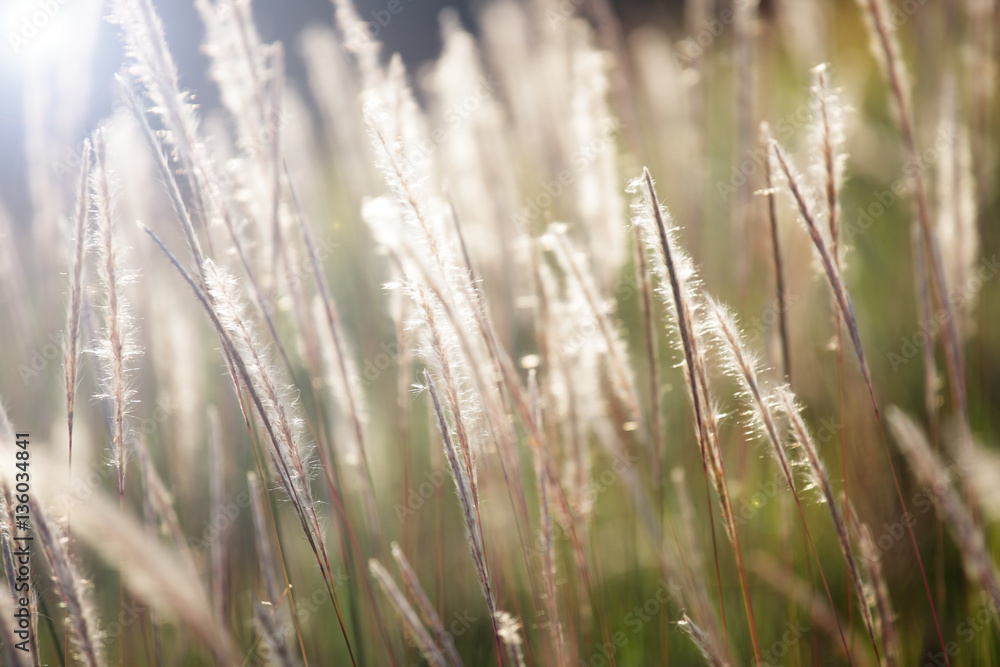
(417, 39)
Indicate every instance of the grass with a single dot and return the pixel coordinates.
(493, 363)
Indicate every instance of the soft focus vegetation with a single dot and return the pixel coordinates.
(603, 338)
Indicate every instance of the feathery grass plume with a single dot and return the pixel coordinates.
(411, 621)
(146, 47)
(243, 378)
(430, 617)
(509, 629)
(289, 453)
(335, 88)
(742, 365)
(571, 383)
(799, 591)
(822, 482)
(871, 560)
(462, 469)
(249, 76)
(956, 199)
(279, 653)
(678, 282)
(980, 467)
(15, 657)
(598, 198)
(166, 173)
(268, 615)
(573, 264)
(475, 157)
(71, 587)
(886, 51)
(807, 214)
(776, 258)
(826, 142)
(71, 355)
(701, 641)
(116, 348)
(931, 472)
(468, 500)
(843, 300)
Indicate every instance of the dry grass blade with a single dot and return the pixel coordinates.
(777, 260)
(871, 560)
(71, 586)
(846, 309)
(242, 376)
(71, 355)
(116, 348)
(469, 503)
(928, 469)
(15, 656)
(152, 574)
(264, 554)
(701, 640)
(682, 300)
(217, 494)
(822, 481)
(743, 366)
(823, 616)
(461, 473)
(886, 50)
(406, 613)
(808, 217)
(431, 618)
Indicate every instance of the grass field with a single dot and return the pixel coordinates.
(627, 335)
